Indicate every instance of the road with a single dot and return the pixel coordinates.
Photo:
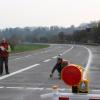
(29, 72)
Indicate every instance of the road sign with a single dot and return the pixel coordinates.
(71, 75)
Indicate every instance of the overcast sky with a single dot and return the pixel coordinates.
(21, 13)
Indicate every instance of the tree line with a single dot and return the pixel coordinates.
(53, 34)
(88, 35)
(34, 34)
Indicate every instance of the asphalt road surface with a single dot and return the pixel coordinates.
(29, 72)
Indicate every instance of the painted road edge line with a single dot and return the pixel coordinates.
(88, 63)
(19, 71)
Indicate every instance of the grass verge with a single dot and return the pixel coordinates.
(27, 47)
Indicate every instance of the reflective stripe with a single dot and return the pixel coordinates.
(9, 48)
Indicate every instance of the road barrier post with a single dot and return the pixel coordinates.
(83, 86)
(75, 89)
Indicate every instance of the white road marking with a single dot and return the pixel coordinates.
(88, 63)
(47, 60)
(54, 57)
(67, 50)
(44, 89)
(35, 88)
(95, 90)
(64, 52)
(14, 87)
(1, 87)
(19, 71)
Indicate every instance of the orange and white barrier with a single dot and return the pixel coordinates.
(70, 96)
(79, 97)
(56, 95)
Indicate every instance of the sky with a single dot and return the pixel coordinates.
(22, 13)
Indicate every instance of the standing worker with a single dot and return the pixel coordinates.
(4, 53)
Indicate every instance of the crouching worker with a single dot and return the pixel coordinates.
(59, 66)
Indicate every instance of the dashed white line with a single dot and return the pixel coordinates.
(54, 57)
(88, 63)
(14, 87)
(67, 50)
(48, 88)
(35, 88)
(47, 60)
(64, 52)
(1, 87)
(43, 89)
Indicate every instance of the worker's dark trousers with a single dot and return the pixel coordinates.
(4, 60)
(56, 67)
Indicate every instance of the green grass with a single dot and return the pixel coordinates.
(28, 47)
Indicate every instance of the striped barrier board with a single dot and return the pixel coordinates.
(71, 96)
(63, 98)
(67, 98)
(94, 99)
(80, 97)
